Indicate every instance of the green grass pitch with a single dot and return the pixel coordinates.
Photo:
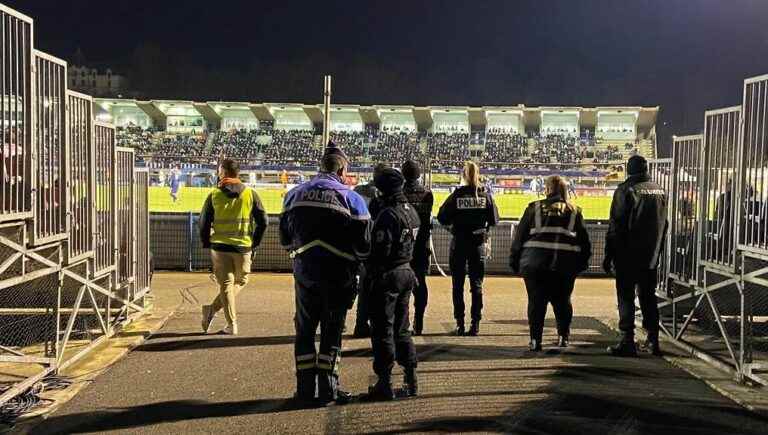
(511, 206)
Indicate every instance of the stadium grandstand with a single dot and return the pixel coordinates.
(168, 133)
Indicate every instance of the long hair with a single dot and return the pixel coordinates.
(554, 184)
(471, 175)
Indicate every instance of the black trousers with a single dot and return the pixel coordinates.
(325, 307)
(467, 258)
(643, 283)
(391, 335)
(420, 268)
(547, 287)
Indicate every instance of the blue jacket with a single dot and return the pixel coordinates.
(326, 228)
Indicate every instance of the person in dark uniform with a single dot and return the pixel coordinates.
(394, 236)
(634, 240)
(470, 212)
(422, 200)
(371, 195)
(551, 246)
(326, 227)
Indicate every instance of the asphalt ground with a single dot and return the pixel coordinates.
(181, 381)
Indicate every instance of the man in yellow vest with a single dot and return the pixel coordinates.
(232, 224)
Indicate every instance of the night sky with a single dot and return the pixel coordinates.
(683, 55)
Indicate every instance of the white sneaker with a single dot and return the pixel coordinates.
(207, 318)
(230, 330)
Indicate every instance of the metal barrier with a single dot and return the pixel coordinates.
(143, 270)
(50, 130)
(61, 290)
(16, 115)
(660, 171)
(105, 234)
(686, 194)
(81, 175)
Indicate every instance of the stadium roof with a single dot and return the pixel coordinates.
(478, 116)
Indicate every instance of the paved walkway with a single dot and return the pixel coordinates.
(183, 382)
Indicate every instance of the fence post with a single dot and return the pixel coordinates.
(190, 228)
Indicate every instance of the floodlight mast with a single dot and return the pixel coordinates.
(327, 111)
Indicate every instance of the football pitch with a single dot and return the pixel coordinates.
(511, 206)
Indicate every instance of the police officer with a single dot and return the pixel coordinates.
(422, 200)
(326, 228)
(371, 195)
(551, 246)
(394, 235)
(470, 212)
(232, 224)
(635, 236)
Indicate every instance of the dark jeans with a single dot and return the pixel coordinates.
(642, 281)
(391, 336)
(545, 287)
(315, 306)
(467, 257)
(421, 292)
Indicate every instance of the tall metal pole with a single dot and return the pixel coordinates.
(327, 111)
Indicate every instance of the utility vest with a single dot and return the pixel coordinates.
(232, 222)
(554, 228)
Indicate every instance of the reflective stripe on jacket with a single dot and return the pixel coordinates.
(232, 222)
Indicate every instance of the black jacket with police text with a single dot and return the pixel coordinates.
(637, 224)
(470, 212)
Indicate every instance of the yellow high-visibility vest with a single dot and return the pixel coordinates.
(232, 224)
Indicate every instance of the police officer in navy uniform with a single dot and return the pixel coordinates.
(326, 227)
(422, 200)
(371, 195)
(551, 246)
(470, 212)
(636, 230)
(394, 235)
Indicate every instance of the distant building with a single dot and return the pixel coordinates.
(104, 83)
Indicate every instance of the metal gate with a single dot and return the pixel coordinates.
(104, 241)
(686, 194)
(125, 215)
(16, 115)
(81, 176)
(143, 261)
(660, 171)
(50, 130)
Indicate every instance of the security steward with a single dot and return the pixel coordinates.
(394, 236)
(232, 224)
(371, 195)
(422, 200)
(551, 246)
(470, 212)
(634, 240)
(325, 226)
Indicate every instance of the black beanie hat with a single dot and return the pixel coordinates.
(411, 170)
(637, 165)
(332, 148)
(389, 181)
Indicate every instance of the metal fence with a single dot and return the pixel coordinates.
(143, 271)
(61, 292)
(685, 197)
(660, 171)
(16, 114)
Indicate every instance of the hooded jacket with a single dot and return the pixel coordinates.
(637, 225)
(208, 215)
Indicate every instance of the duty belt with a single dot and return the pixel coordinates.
(332, 249)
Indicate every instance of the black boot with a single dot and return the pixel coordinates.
(328, 389)
(562, 341)
(534, 345)
(411, 387)
(418, 325)
(459, 328)
(626, 347)
(306, 384)
(651, 344)
(474, 328)
(380, 391)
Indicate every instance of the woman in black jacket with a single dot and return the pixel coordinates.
(551, 246)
